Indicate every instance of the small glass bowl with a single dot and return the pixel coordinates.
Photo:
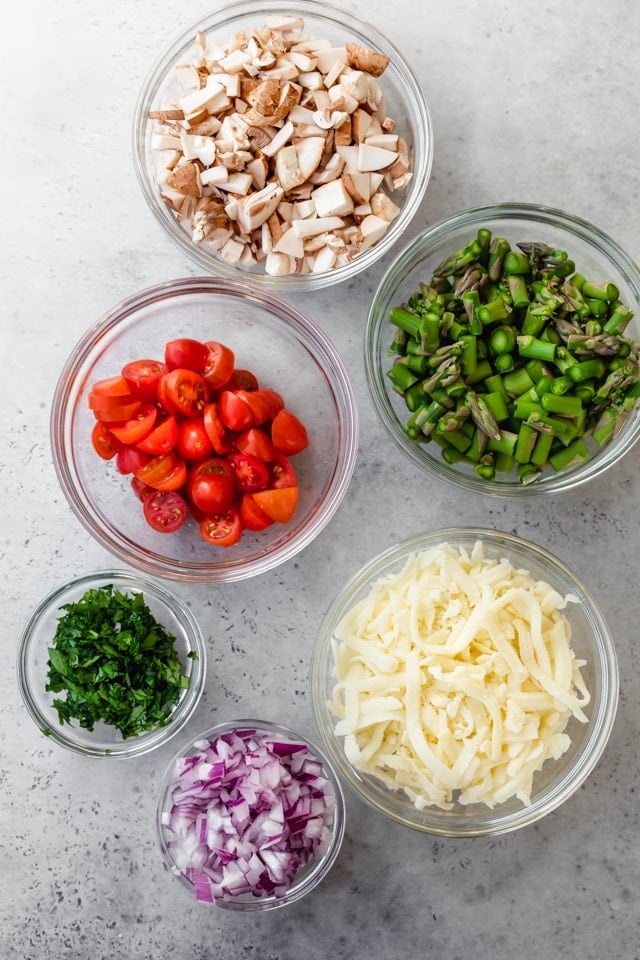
(105, 741)
(558, 779)
(283, 348)
(404, 101)
(597, 257)
(309, 875)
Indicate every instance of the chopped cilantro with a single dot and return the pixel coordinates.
(117, 664)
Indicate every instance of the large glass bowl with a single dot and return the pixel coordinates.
(404, 102)
(558, 779)
(596, 256)
(283, 348)
(310, 874)
(105, 741)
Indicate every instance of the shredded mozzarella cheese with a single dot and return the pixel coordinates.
(455, 679)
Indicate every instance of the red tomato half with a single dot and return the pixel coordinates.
(116, 410)
(142, 377)
(278, 504)
(112, 387)
(216, 430)
(263, 403)
(141, 490)
(104, 444)
(162, 438)
(251, 473)
(288, 434)
(186, 391)
(255, 442)
(138, 427)
(219, 366)
(282, 473)
(167, 471)
(243, 380)
(235, 412)
(165, 510)
(222, 529)
(193, 440)
(252, 516)
(130, 460)
(186, 354)
(211, 486)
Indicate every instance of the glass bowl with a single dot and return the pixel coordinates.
(404, 103)
(310, 874)
(104, 740)
(559, 778)
(283, 348)
(596, 256)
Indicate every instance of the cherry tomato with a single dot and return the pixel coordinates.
(112, 387)
(193, 440)
(251, 473)
(130, 459)
(117, 412)
(186, 391)
(234, 411)
(186, 354)
(219, 365)
(104, 443)
(279, 504)
(243, 380)
(255, 442)
(141, 490)
(263, 403)
(142, 377)
(165, 510)
(288, 434)
(252, 516)
(166, 468)
(162, 438)
(138, 427)
(216, 430)
(222, 529)
(211, 486)
(282, 473)
(163, 397)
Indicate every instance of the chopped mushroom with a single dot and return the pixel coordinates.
(277, 149)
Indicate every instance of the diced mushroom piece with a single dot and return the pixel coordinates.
(291, 244)
(277, 264)
(374, 158)
(343, 135)
(301, 115)
(309, 151)
(372, 229)
(332, 200)
(302, 61)
(327, 59)
(315, 225)
(358, 186)
(349, 156)
(341, 96)
(360, 123)
(386, 141)
(214, 175)
(164, 142)
(185, 178)
(218, 237)
(334, 73)
(287, 168)
(361, 211)
(311, 81)
(328, 119)
(163, 116)
(258, 168)
(254, 210)
(303, 209)
(235, 61)
(332, 170)
(324, 260)
(274, 227)
(368, 60)
(187, 76)
(384, 207)
(237, 183)
(232, 250)
(198, 148)
(363, 87)
(194, 103)
(282, 136)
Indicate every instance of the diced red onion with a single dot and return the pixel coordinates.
(247, 812)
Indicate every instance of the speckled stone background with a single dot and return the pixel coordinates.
(536, 102)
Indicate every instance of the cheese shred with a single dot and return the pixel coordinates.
(455, 679)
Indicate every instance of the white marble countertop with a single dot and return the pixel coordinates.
(537, 103)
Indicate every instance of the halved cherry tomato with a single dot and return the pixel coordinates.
(211, 486)
(162, 396)
(186, 354)
(255, 442)
(282, 473)
(234, 411)
(219, 366)
(264, 403)
(278, 504)
(252, 516)
(142, 377)
(165, 510)
(141, 490)
(216, 430)
(288, 433)
(222, 529)
(193, 440)
(167, 471)
(111, 387)
(104, 443)
(130, 459)
(186, 391)
(138, 427)
(162, 438)
(115, 411)
(243, 380)
(251, 473)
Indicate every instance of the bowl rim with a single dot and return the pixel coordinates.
(431, 820)
(318, 870)
(396, 274)
(71, 381)
(420, 117)
(149, 740)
